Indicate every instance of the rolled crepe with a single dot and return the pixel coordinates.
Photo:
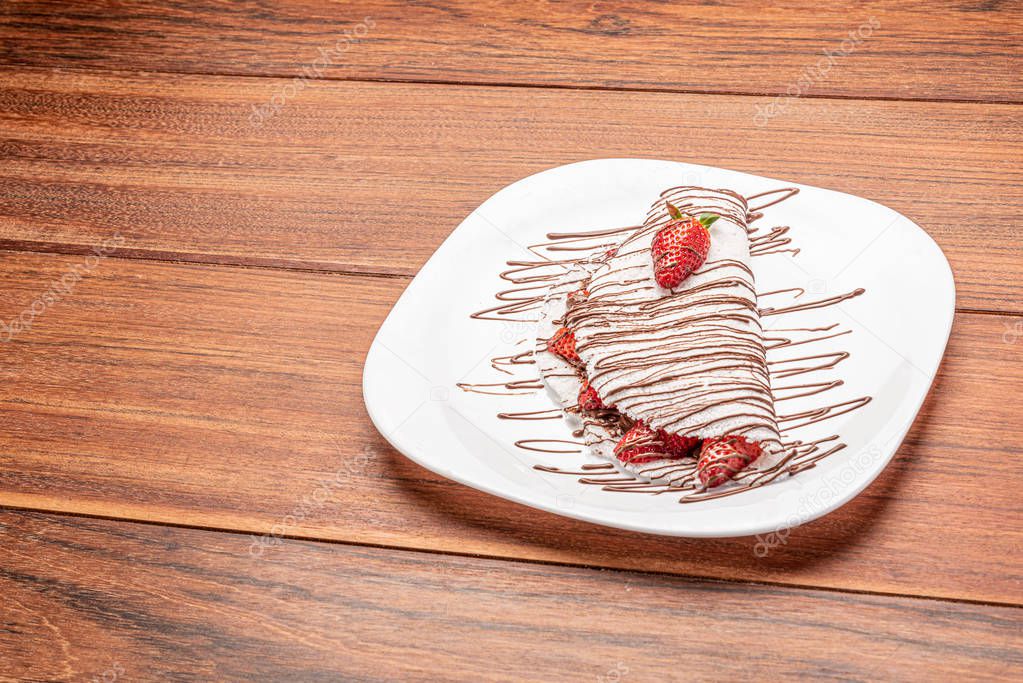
(690, 361)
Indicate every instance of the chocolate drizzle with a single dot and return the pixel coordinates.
(690, 361)
(515, 388)
(548, 414)
(529, 445)
(523, 358)
(806, 306)
(723, 331)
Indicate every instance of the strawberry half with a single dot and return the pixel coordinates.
(588, 398)
(563, 344)
(639, 445)
(680, 247)
(642, 444)
(677, 445)
(724, 457)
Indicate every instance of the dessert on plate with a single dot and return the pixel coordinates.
(649, 339)
(656, 351)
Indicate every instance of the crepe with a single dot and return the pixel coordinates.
(600, 430)
(690, 361)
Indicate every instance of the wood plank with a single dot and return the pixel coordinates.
(84, 597)
(172, 165)
(231, 398)
(892, 49)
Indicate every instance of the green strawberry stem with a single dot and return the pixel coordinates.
(673, 211)
(707, 219)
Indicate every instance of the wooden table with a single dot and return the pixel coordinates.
(208, 208)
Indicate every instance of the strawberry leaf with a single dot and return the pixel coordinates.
(673, 211)
(708, 219)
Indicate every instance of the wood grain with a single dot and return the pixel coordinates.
(372, 177)
(84, 597)
(940, 50)
(231, 398)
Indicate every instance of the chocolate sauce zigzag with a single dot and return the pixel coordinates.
(690, 361)
(572, 251)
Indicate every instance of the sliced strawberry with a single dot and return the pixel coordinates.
(563, 344)
(639, 445)
(588, 398)
(680, 247)
(724, 457)
(677, 445)
(642, 444)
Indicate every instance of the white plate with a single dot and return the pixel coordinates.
(428, 344)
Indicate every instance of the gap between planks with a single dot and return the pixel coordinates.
(512, 84)
(502, 558)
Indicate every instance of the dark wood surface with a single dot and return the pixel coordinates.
(222, 396)
(947, 50)
(204, 378)
(98, 596)
(173, 164)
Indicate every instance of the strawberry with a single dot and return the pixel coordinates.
(642, 444)
(563, 344)
(639, 445)
(680, 247)
(724, 457)
(677, 445)
(588, 398)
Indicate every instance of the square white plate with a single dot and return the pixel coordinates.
(428, 344)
